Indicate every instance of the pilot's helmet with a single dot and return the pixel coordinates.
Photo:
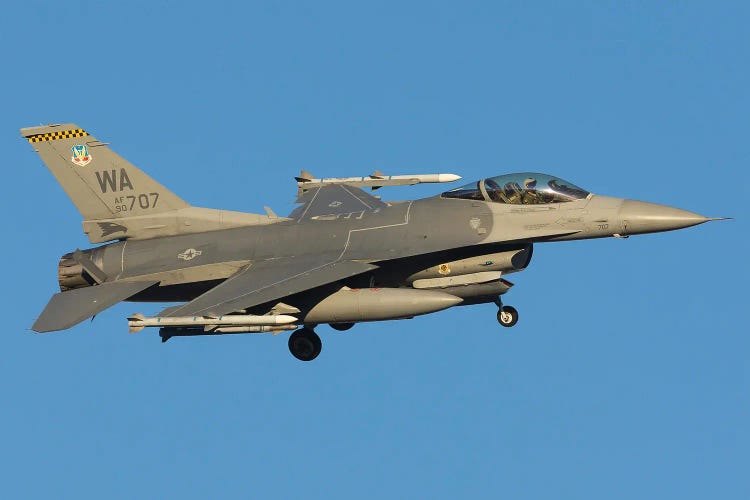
(529, 183)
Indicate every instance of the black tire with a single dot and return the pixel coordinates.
(305, 345)
(507, 316)
(341, 327)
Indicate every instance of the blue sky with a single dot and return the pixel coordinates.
(627, 375)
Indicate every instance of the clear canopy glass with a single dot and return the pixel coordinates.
(525, 188)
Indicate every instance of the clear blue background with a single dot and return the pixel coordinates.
(627, 376)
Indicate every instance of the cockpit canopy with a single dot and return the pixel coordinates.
(525, 188)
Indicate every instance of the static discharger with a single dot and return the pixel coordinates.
(138, 322)
(306, 180)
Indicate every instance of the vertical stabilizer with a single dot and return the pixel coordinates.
(101, 183)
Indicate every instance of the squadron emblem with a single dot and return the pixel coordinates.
(81, 155)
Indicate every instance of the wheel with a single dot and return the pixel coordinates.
(304, 344)
(342, 327)
(507, 316)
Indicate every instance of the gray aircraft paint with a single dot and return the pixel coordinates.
(339, 238)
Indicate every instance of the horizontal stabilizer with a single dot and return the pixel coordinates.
(66, 309)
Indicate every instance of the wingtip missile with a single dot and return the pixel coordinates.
(375, 180)
(448, 177)
(304, 176)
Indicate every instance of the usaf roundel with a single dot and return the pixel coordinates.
(81, 155)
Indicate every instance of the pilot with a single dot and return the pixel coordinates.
(530, 195)
(512, 193)
(494, 191)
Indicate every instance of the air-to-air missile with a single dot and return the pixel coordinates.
(168, 332)
(347, 305)
(342, 257)
(138, 322)
(307, 181)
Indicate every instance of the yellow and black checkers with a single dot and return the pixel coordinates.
(54, 136)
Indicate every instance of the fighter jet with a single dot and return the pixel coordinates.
(342, 257)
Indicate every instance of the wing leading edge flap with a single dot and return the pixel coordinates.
(66, 309)
(266, 281)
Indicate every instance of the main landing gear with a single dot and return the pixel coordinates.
(304, 344)
(507, 316)
(341, 327)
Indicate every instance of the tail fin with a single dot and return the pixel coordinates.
(101, 183)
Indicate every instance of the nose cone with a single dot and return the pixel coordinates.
(642, 217)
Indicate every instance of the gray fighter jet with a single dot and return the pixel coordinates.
(342, 257)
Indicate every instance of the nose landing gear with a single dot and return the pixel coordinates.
(507, 316)
(304, 344)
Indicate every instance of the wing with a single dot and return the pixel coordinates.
(66, 309)
(266, 281)
(335, 200)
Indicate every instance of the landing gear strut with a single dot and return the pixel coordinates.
(507, 316)
(304, 344)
